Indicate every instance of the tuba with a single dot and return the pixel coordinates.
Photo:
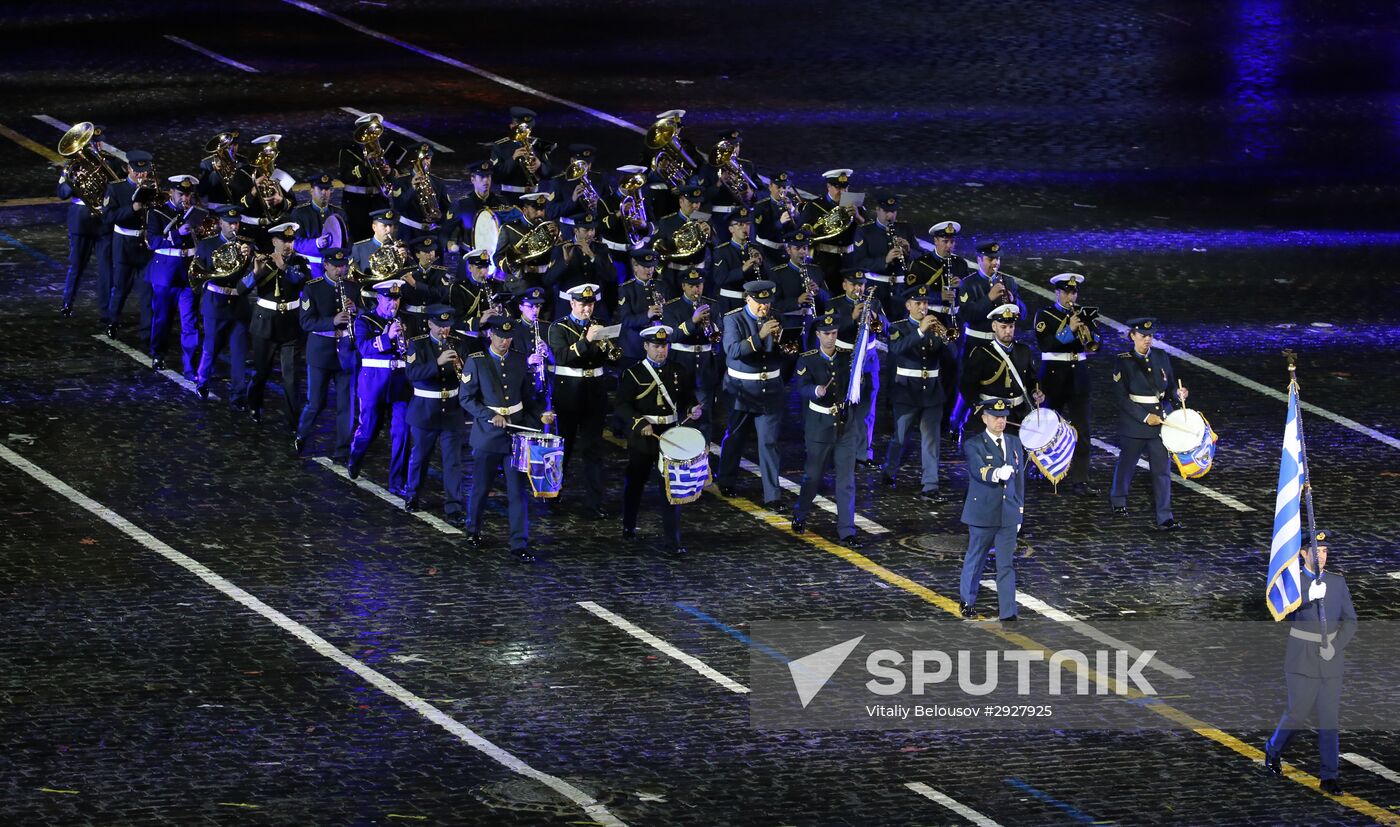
(670, 162)
(522, 136)
(578, 171)
(634, 209)
(222, 160)
(688, 240)
(87, 171)
(423, 193)
(265, 185)
(377, 169)
(533, 246)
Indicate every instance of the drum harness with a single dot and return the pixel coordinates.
(1015, 374)
(665, 394)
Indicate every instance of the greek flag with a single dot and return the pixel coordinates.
(858, 364)
(1284, 593)
(686, 481)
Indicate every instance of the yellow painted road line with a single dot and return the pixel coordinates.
(31, 145)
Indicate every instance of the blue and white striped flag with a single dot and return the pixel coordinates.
(853, 391)
(1284, 593)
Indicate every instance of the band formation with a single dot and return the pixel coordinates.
(674, 302)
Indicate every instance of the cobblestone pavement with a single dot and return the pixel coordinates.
(1230, 171)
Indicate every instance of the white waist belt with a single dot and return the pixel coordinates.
(613, 245)
(731, 294)
(673, 265)
(513, 188)
(977, 334)
(416, 308)
(1312, 637)
(1143, 399)
(313, 259)
(173, 251)
(1064, 357)
(819, 409)
(691, 348)
(832, 248)
(392, 364)
(120, 230)
(331, 334)
(248, 219)
(941, 308)
(882, 279)
(772, 245)
(586, 373)
(917, 373)
(410, 222)
(355, 190)
(722, 209)
(516, 408)
(660, 420)
(762, 376)
(435, 394)
(223, 291)
(269, 304)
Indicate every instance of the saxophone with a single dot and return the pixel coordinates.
(423, 193)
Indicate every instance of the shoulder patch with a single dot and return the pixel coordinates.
(417, 338)
(411, 358)
(1040, 326)
(894, 334)
(963, 298)
(480, 354)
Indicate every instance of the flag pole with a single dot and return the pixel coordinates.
(1303, 459)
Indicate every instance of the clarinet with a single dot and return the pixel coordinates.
(900, 264)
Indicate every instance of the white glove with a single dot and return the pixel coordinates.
(1317, 590)
(324, 241)
(1328, 651)
(1002, 474)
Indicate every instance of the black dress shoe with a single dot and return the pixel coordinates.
(799, 526)
(935, 497)
(157, 364)
(352, 468)
(203, 393)
(1011, 619)
(238, 404)
(256, 414)
(677, 551)
(298, 443)
(1084, 489)
(853, 541)
(474, 539)
(111, 331)
(966, 610)
(524, 555)
(629, 533)
(887, 481)
(1331, 786)
(598, 513)
(728, 490)
(66, 310)
(1272, 763)
(411, 504)
(773, 505)
(1171, 525)
(1120, 510)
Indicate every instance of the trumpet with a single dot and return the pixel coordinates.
(1085, 334)
(711, 331)
(610, 350)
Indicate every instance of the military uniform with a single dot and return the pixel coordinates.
(412, 218)
(168, 275)
(129, 251)
(974, 302)
(217, 190)
(753, 378)
(275, 328)
(996, 371)
(531, 340)
(720, 198)
(508, 174)
(532, 273)
(569, 267)
(1064, 375)
(728, 274)
(423, 286)
(916, 394)
(361, 193)
(469, 206)
(470, 300)
(259, 215)
(88, 235)
(831, 255)
(581, 396)
(1143, 385)
(692, 349)
(994, 511)
(636, 301)
(676, 264)
(311, 220)
(843, 308)
(769, 227)
(330, 354)
(872, 245)
(434, 413)
(827, 439)
(791, 282)
(361, 250)
(662, 396)
(382, 389)
(499, 385)
(227, 313)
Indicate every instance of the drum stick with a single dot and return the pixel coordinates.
(1177, 427)
(524, 428)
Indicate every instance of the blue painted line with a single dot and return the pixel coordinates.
(734, 633)
(30, 251)
(1051, 800)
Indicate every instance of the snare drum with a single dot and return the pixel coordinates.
(1050, 440)
(684, 464)
(1190, 440)
(541, 458)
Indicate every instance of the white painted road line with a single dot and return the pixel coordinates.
(1039, 606)
(1371, 766)
(466, 67)
(180, 41)
(315, 642)
(172, 375)
(1223, 499)
(961, 809)
(863, 523)
(64, 127)
(663, 647)
(395, 501)
(399, 129)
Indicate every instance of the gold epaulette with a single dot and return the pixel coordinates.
(480, 354)
(416, 338)
(673, 301)
(313, 281)
(813, 350)
(732, 312)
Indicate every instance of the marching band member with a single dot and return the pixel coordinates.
(424, 283)
(275, 281)
(580, 390)
(834, 432)
(384, 224)
(1065, 341)
(799, 292)
(125, 216)
(653, 396)
(362, 177)
(753, 378)
(498, 390)
(479, 197)
(849, 308)
(327, 311)
(88, 235)
(312, 216)
(470, 296)
(639, 304)
(1143, 386)
(436, 369)
(690, 199)
(381, 388)
(1002, 368)
(170, 235)
(226, 316)
(832, 255)
(576, 262)
(532, 215)
(519, 168)
(738, 261)
(420, 198)
(693, 346)
(917, 393)
(775, 216)
(885, 249)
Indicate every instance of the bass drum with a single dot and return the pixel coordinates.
(334, 226)
(486, 231)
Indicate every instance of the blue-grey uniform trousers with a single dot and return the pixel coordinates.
(848, 447)
(1158, 466)
(485, 465)
(736, 438)
(1308, 696)
(981, 540)
(930, 420)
